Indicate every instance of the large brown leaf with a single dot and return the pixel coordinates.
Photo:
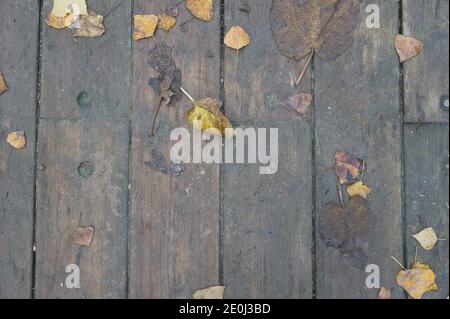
(303, 27)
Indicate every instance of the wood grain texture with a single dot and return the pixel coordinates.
(19, 29)
(357, 110)
(426, 76)
(267, 220)
(69, 135)
(426, 200)
(174, 238)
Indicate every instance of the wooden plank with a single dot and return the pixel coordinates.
(70, 134)
(426, 200)
(357, 110)
(426, 76)
(174, 219)
(267, 220)
(19, 29)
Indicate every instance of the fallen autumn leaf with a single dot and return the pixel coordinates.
(427, 238)
(3, 87)
(417, 281)
(144, 26)
(201, 9)
(215, 292)
(407, 47)
(237, 38)
(17, 140)
(83, 236)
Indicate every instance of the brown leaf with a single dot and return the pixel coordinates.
(17, 140)
(300, 102)
(348, 167)
(417, 281)
(407, 47)
(205, 114)
(215, 292)
(237, 38)
(3, 87)
(201, 9)
(384, 293)
(358, 189)
(83, 236)
(304, 26)
(144, 26)
(166, 22)
(427, 238)
(90, 26)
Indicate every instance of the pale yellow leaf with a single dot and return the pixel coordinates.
(417, 281)
(62, 8)
(358, 189)
(3, 87)
(215, 292)
(144, 26)
(166, 22)
(17, 140)
(427, 238)
(205, 114)
(237, 38)
(201, 9)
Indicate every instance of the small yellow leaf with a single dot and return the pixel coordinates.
(166, 22)
(206, 114)
(90, 26)
(17, 140)
(3, 87)
(62, 8)
(202, 9)
(237, 38)
(144, 26)
(417, 281)
(427, 238)
(215, 292)
(358, 189)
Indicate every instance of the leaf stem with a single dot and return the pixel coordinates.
(393, 258)
(302, 74)
(341, 198)
(187, 94)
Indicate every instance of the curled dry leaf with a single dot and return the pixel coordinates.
(166, 22)
(427, 238)
(417, 281)
(384, 293)
(201, 9)
(90, 26)
(407, 47)
(237, 38)
(300, 102)
(205, 114)
(55, 22)
(215, 292)
(17, 140)
(144, 26)
(3, 87)
(62, 8)
(358, 189)
(348, 167)
(83, 236)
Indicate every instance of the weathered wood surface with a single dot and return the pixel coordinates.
(426, 76)
(19, 29)
(358, 110)
(174, 240)
(267, 219)
(69, 135)
(426, 200)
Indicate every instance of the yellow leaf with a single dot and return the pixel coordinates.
(215, 292)
(358, 189)
(62, 8)
(237, 38)
(144, 26)
(206, 114)
(166, 22)
(202, 9)
(427, 238)
(90, 26)
(17, 140)
(3, 87)
(417, 281)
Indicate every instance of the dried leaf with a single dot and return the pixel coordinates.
(348, 167)
(58, 22)
(205, 114)
(144, 26)
(324, 27)
(300, 102)
(17, 140)
(384, 293)
(358, 189)
(407, 47)
(417, 281)
(201, 9)
(90, 26)
(237, 38)
(62, 8)
(83, 236)
(3, 87)
(215, 292)
(166, 22)
(427, 238)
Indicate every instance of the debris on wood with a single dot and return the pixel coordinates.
(3, 87)
(385, 293)
(215, 292)
(407, 47)
(358, 189)
(144, 26)
(201, 9)
(418, 280)
(86, 169)
(300, 102)
(83, 236)
(237, 38)
(166, 22)
(427, 238)
(17, 140)
(348, 167)
(90, 26)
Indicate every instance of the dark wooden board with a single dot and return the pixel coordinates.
(69, 135)
(19, 29)
(174, 235)
(267, 220)
(426, 76)
(358, 110)
(426, 200)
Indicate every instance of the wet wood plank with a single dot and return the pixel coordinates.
(19, 29)
(426, 200)
(426, 76)
(267, 219)
(72, 132)
(357, 110)
(174, 238)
